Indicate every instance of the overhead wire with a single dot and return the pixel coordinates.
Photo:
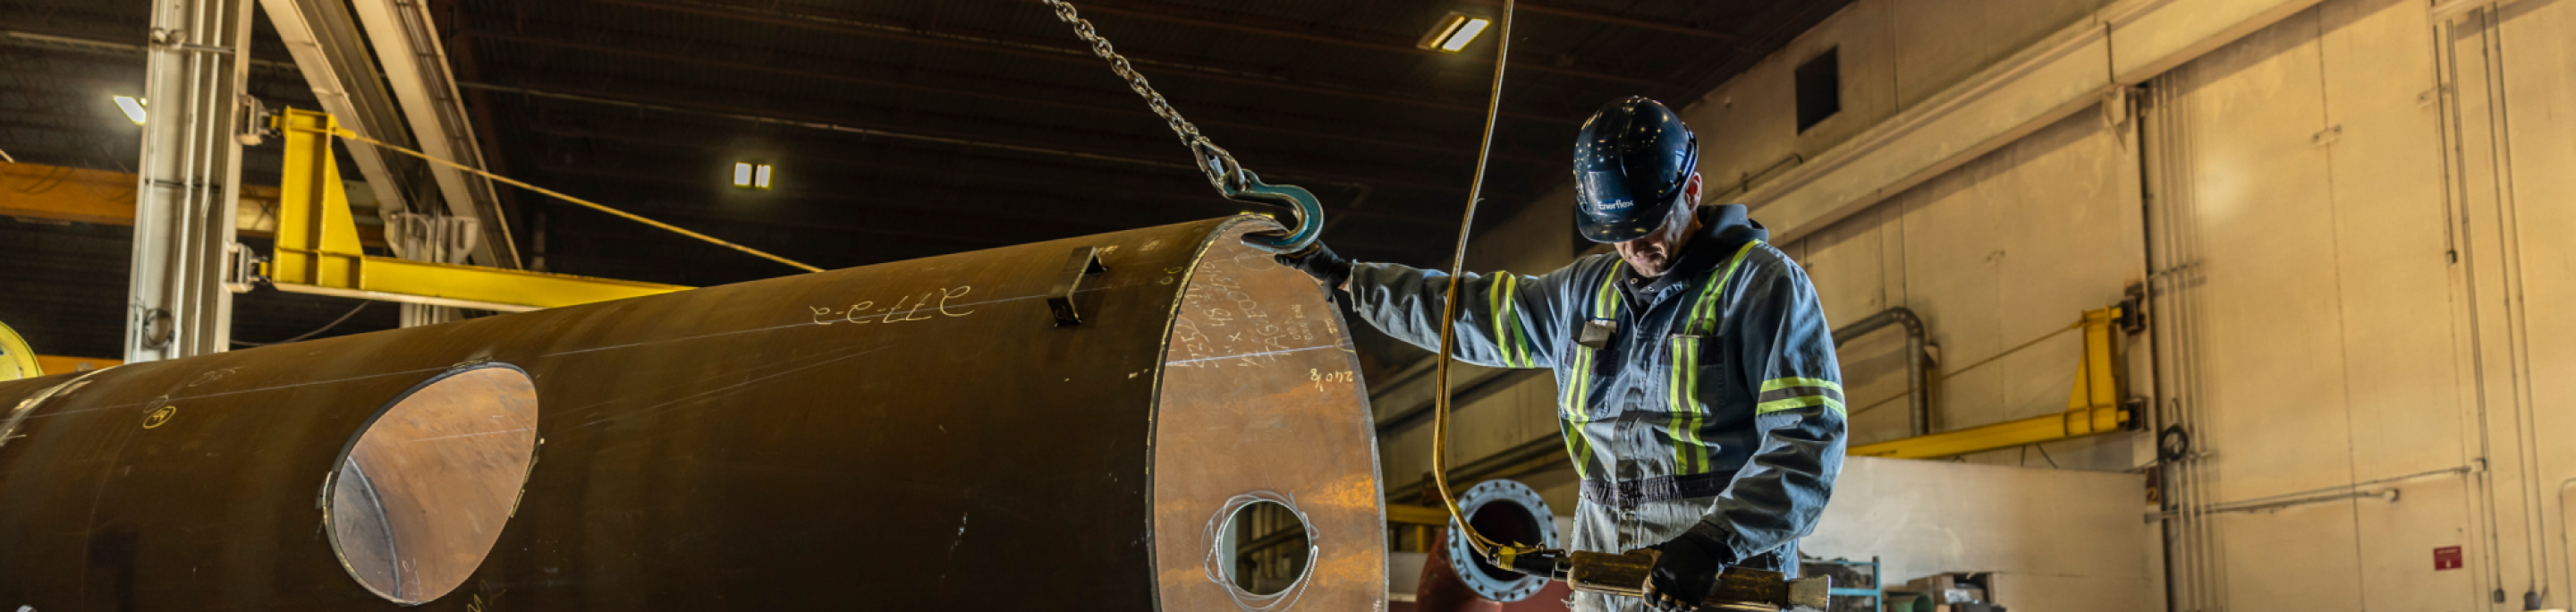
(352, 135)
(325, 327)
(1449, 307)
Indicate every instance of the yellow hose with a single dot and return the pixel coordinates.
(1449, 310)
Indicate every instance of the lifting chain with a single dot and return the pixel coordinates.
(1229, 177)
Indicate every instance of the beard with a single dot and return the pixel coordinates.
(1647, 262)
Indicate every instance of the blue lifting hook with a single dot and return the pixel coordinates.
(1240, 184)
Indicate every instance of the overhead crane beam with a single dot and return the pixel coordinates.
(415, 68)
(333, 58)
(317, 247)
(107, 198)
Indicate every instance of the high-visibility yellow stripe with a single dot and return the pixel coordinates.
(1704, 314)
(1498, 296)
(1681, 408)
(1520, 333)
(1578, 393)
(1576, 445)
(1798, 402)
(1793, 381)
(1605, 302)
(1690, 454)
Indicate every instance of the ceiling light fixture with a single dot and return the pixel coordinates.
(1453, 33)
(133, 108)
(748, 175)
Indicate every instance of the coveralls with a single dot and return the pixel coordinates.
(1713, 403)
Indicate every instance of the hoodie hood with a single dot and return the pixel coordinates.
(1723, 229)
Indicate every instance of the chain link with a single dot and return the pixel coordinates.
(1222, 171)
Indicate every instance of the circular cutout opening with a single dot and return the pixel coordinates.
(1507, 522)
(421, 494)
(1266, 546)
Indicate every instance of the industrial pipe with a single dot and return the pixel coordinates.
(1919, 418)
(1074, 422)
(1455, 579)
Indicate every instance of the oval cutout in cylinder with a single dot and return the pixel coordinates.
(423, 491)
(1266, 548)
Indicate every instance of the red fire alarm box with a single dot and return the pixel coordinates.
(2446, 558)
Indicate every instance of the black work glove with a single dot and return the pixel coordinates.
(1684, 571)
(1317, 260)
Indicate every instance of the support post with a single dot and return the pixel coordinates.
(189, 184)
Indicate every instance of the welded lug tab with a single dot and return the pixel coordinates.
(1085, 262)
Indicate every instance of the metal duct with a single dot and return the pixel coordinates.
(1918, 390)
(914, 435)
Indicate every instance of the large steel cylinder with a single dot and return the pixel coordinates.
(1008, 429)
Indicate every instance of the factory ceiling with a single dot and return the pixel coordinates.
(910, 128)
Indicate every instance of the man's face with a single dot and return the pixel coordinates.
(1652, 254)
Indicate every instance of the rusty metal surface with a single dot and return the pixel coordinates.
(1267, 366)
(916, 435)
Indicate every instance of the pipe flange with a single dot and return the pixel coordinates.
(1508, 512)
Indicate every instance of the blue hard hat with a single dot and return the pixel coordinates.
(1630, 165)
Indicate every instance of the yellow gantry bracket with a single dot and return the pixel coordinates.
(2092, 407)
(318, 250)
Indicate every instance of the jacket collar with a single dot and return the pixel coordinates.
(1723, 229)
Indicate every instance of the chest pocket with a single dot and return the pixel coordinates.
(1702, 379)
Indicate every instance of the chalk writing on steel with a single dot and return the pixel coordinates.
(1230, 326)
(1320, 377)
(160, 416)
(906, 308)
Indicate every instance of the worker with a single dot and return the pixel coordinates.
(1697, 389)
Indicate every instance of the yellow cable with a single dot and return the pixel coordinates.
(346, 133)
(1449, 310)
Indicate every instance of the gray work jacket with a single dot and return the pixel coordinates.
(1713, 389)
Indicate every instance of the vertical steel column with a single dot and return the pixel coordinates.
(177, 304)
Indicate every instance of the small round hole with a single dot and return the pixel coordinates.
(1266, 548)
(423, 491)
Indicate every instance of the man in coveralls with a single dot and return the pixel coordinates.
(1697, 388)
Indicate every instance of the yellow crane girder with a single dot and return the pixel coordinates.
(318, 250)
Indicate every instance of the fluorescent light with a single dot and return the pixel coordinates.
(1453, 33)
(762, 180)
(1466, 34)
(133, 108)
(742, 174)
